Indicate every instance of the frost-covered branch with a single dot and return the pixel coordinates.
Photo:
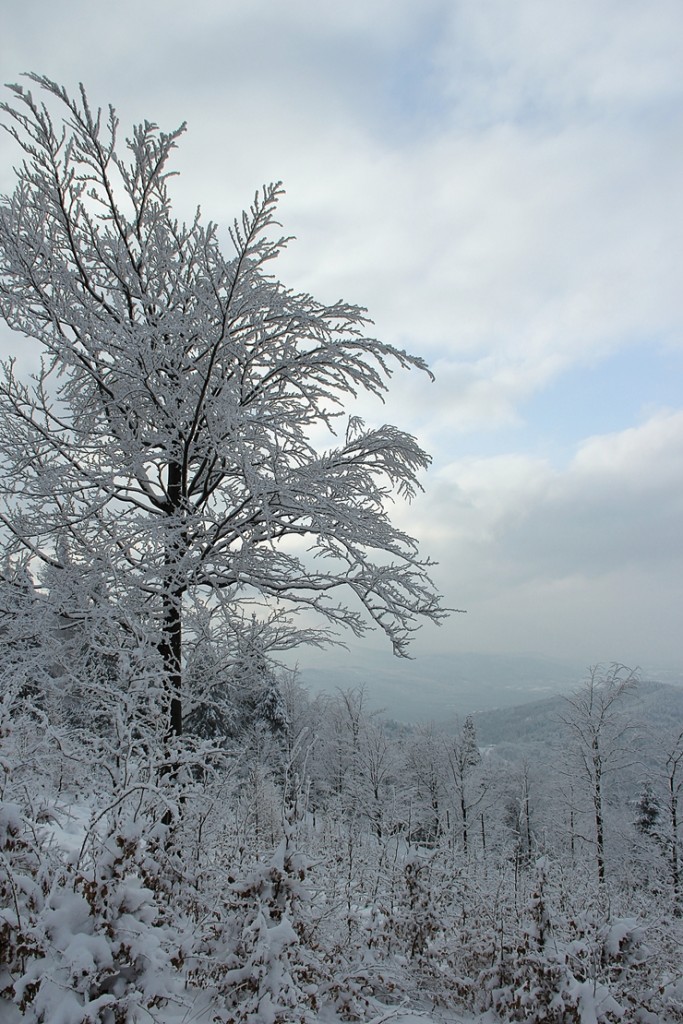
(168, 432)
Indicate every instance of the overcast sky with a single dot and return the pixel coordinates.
(500, 184)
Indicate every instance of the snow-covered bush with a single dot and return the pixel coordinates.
(533, 979)
(89, 936)
(24, 877)
(257, 960)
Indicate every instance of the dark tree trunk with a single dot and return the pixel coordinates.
(527, 822)
(170, 649)
(171, 646)
(675, 860)
(599, 830)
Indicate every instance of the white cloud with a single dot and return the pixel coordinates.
(616, 502)
(500, 184)
(558, 559)
(517, 250)
(534, 60)
(648, 457)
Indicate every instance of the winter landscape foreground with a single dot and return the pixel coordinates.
(186, 833)
(313, 861)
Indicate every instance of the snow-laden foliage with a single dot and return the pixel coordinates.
(134, 893)
(170, 445)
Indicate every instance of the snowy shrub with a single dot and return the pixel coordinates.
(259, 965)
(532, 979)
(101, 940)
(23, 879)
(419, 921)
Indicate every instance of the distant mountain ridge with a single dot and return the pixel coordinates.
(534, 729)
(442, 687)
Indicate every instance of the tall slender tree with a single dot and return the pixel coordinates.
(166, 439)
(674, 785)
(462, 759)
(601, 739)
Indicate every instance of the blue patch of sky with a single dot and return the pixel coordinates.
(618, 392)
(609, 396)
(413, 101)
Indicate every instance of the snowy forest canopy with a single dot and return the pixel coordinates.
(185, 833)
(308, 857)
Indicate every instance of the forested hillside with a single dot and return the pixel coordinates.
(305, 855)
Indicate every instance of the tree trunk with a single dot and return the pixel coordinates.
(171, 646)
(675, 861)
(599, 831)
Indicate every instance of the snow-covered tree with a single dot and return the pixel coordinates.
(601, 740)
(167, 434)
(232, 681)
(674, 780)
(648, 811)
(426, 775)
(462, 760)
(518, 815)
